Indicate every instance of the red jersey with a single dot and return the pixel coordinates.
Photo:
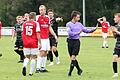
(105, 26)
(29, 30)
(44, 22)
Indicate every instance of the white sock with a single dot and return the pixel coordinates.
(104, 43)
(26, 60)
(39, 62)
(32, 65)
(44, 61)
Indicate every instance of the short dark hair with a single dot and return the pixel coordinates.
(75, 13)
(31, 15)
(50, 10)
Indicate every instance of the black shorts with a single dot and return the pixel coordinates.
(19, 44)
(53, 42)
(73, 46)
(116, 52)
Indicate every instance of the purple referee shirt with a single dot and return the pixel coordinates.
(74, 29)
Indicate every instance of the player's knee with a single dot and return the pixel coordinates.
(115, 58)
(73, 57)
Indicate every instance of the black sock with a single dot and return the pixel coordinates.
(50, 56)
(72, 66)
(56, 53)
(17, 51)
(77, 65)
(22, 55)
(115, 67)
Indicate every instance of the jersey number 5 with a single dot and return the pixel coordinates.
(29, 30)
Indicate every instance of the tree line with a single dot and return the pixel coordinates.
(9, 9)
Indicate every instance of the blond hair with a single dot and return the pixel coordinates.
(41, 6)
(19, 17)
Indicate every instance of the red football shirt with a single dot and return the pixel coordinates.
(105, 26)
(44, 22)
(29, 30)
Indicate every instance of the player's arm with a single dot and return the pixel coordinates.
(38, 34)
(52, 32)
(85, 30)
(114, 31)
(99, 20)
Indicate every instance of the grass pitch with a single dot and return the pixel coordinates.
(95, 61)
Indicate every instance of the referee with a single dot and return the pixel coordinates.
(74, 28)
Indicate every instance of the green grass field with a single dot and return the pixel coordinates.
(95, 61)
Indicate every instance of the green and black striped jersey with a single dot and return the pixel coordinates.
(18, 28)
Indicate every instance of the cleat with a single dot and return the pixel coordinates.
(69, 74)
(21, 61)
(30, 74)
(51, 63)
(115, 75)
(44, 70)
(58, 62)
(37, 71)
(106, 46)
(103, 47)
(79, 72)
(24, 71)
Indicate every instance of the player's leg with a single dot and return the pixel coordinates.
(46, 48)
(33, 57)
(69, 45)
(26, 60)
(50, 53)
(105, 40)
(50, 57)
(16, 49)
(39, 62)
(42, 57)
(75, 50)
(21, 51)
(115, 60)
(104, 35)
(55, 51)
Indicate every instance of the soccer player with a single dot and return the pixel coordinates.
(53, 43)
(105, 25)
(18, 48)
(26, 17)
(45, 27)
(116, 33)
(74, 28)
(31, 37)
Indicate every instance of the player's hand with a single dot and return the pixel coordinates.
(113, 29)
(59, 19)
(39, 46)
(56, 38)
(81, 31)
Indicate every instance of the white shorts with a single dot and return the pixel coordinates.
(45, 43)
(104, 35)
(31, 51)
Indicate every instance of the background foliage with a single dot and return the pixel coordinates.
(9, 9)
